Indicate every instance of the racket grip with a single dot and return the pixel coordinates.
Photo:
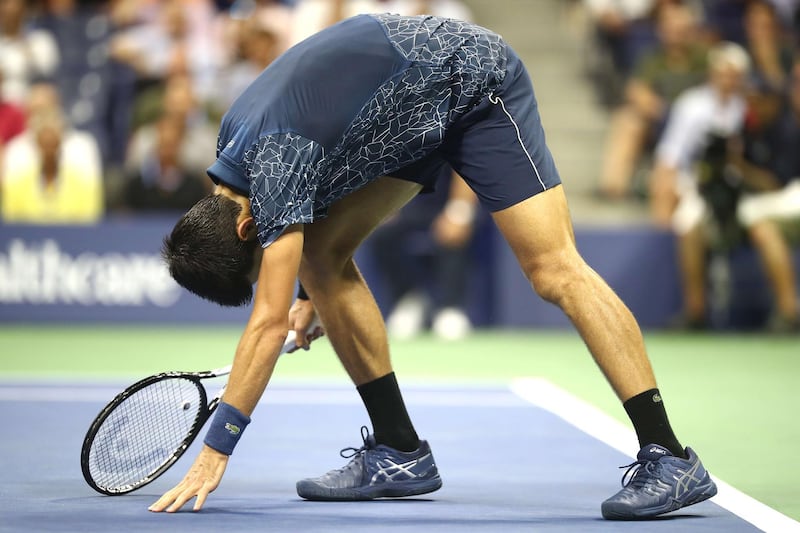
(289, 345)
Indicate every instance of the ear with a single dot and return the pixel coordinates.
(246, 229)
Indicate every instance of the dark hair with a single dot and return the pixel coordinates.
(206, 256)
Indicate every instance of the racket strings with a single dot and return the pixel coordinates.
(143, 433)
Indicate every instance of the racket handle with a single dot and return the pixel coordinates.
(289, 344)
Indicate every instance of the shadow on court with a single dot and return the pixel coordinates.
(506, 465)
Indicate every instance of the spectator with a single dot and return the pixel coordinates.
(25, 55)
(621, 31)
(161, 181)
(768, 44)
(258, 46)
(274, 16)
(695, 193)
(439, 227)
(178, 100)
(177, 96)
(51, 173)
(772, 160)
(679, 62)
(178, 41)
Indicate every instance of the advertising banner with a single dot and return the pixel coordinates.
(112, 271)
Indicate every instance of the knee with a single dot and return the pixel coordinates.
(764, 233)
(557, 279)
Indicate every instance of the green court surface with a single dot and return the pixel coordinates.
(733, 398)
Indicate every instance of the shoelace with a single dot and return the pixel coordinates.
(630, 476)
(350, 451)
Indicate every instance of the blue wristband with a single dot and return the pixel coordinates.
(226, 428)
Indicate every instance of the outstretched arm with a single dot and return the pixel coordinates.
(256, 355)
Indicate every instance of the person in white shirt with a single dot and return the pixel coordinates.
(711, 117)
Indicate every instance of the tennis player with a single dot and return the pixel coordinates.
(337, 134)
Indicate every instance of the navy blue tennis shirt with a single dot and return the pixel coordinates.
(358, 100)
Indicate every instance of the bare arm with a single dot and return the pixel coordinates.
(268, 326)
(644, 100)
(256, 354)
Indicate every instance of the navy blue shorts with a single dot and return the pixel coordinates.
(498, 147)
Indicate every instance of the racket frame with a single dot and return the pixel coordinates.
(208, 408)
(204, 413)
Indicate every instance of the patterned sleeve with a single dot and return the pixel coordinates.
(283, 183)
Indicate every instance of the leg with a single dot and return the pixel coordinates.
(692, 265)
(626, 140)
(355, 328)
(777, 261)
(345, 304)
(500, 151)
(551, 262)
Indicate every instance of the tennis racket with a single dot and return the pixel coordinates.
(147, 427)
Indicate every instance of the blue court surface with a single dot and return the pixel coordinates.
(527, 457)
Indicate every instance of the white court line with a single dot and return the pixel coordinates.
(604, 428)
(345, 395)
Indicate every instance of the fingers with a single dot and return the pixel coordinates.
(177, 497)
(305, 337)
(173, 500)
(202, 478)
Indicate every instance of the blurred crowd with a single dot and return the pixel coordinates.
(704, 101)
(113, 105)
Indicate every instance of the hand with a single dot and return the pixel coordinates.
(203, 477)
(301, 315)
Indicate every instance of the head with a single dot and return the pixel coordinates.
(728, 65)
(48, 129)
(213, 250)
(676, 25)
(180, 98)
(761, 22)
(43, 98)
(259, 43)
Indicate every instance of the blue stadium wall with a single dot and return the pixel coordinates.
(112, 272)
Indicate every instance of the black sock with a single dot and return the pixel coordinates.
(390, 421)
(649, 418)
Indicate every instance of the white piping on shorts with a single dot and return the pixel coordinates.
(494, 100)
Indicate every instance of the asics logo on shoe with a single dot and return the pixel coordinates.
(389, 470)
(687, 480)
(658, 450)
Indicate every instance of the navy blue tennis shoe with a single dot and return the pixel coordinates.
(657, 483)
(375, 471)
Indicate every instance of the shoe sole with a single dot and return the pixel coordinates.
(699, 494)
(311, 491)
